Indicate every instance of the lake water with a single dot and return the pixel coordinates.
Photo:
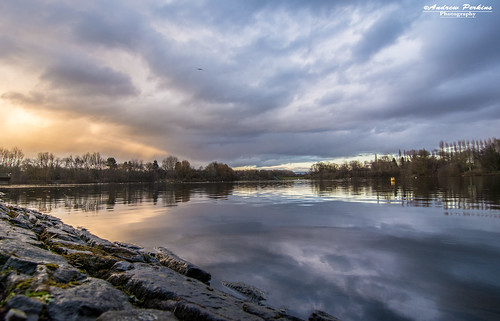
(367, 250)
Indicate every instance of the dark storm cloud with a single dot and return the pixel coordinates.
(454, 76)
(259, 80)
(382, 33)
(81, 78)
(458, 49)
(112, 26)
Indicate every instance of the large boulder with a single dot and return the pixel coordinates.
(161, 288)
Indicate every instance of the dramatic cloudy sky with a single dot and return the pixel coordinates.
(281, 81)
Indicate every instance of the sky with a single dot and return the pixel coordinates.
(248, 83)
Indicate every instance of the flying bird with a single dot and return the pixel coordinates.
(200, 68)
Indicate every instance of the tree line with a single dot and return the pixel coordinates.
(475, 157)
(94, 168)
(464, 157)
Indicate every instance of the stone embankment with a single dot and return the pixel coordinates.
(52, 271)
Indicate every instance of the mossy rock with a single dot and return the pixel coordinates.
(52, 266)
(20, 287)
(13, 213)
(94, 265)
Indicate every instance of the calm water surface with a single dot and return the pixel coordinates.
(422, 250)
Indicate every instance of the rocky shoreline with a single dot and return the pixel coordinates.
(52, 271)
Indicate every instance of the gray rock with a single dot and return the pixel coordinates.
(91, 239)
(3, 215)
(65, 251)
(251, 292)
(131, 258)
(123, 251)
(181, 266)
(20, 221)
(32, 218)
(148, 282)
(23, 266)
(137, 315)
(268, 313)
(94, 264)
(318, 315)
(149, 257)
(122, 266)
(7, 231)
(16, 315)
(30, 306)
(189, 311)
(67, 275)
(86, 302)
(70, 244)
(58, 233)
(161, 288)
(128, 246)
(25, 257)
(12, 280)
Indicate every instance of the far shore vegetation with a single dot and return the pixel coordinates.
(462, 158)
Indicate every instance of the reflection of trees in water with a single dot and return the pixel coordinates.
(94, 198)
(470, 193)
(219, 191)
(182, 193)
(473, 193)
(178, 193)
(471, 214)
(355, 189)
(84, 198)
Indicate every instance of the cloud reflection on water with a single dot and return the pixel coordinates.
(340, 259)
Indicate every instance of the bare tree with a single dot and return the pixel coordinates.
(168, 164)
